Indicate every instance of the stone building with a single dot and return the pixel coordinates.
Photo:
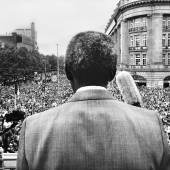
(23, 37)
(10, 40)
(29, 36)
(141, 32)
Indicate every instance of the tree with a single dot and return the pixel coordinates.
(18, 65)
(61, 64)
(52, 63)
(52, 60)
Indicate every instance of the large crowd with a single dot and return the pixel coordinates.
(37, 96)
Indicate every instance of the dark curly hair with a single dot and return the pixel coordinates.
(91, 58)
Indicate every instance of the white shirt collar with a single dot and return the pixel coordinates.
(90, 88)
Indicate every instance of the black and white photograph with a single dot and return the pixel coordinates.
(85, 85)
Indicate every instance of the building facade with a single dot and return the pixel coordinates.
(10, 40)
(29, 37)
(20, 38)
(141, 32)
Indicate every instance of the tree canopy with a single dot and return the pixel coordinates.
(18, 65)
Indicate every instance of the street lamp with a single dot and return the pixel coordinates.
(58, 72)
(1, 123)
(43, 85)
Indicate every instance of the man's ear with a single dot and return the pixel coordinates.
(68, 73)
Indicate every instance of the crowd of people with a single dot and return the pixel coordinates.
(157, 99)
(35, 97)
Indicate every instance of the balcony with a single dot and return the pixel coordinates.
(166, 48)
(147, 68)
(138, 29)
(140, 67)
(140, 48)
(132, 67)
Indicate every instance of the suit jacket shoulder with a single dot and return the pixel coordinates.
(93, 131)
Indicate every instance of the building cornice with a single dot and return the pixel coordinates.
(136, 4)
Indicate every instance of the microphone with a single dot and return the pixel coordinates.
(128, 89)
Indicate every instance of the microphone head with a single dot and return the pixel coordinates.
(128, 89)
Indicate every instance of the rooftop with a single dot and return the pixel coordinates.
(124, 4)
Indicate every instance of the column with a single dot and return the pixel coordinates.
(156, 45)
(118, 46)
(149, 40)
(124, 44)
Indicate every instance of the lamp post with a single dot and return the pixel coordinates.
(58, 72)
(43, 85)
(45, 71)
(1, 143)
(1, 123)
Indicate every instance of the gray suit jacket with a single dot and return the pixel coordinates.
(93, 132)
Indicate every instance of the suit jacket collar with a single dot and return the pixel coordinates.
(90, 87)
(91, 94)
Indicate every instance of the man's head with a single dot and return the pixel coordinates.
(90, 60)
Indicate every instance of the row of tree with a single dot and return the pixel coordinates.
(18, 65)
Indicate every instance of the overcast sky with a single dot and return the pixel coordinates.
(56, 21)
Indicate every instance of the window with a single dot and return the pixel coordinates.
(163, 40)
(131, 41)
(168, 39)
(137, 59)
(144, 40)
(131, 24)
(144, 59)
(163, 59)
(164, 23)
(131, 59)
(137, 22)
(137, 40)
(168, 23)
(144, 22)
(168, 58)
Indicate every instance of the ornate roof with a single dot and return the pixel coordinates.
(125, 4)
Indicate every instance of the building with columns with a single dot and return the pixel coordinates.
(141, 32)
(29, 37)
